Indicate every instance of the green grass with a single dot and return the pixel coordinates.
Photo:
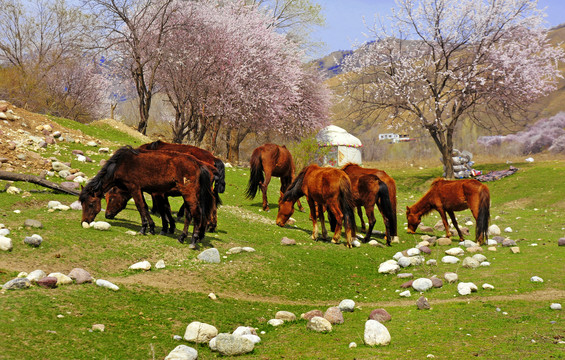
(142, 317)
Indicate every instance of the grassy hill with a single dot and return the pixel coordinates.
(151, 307)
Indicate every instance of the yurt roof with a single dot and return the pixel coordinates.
(335, 136)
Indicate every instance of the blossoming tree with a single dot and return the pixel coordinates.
(441, 61)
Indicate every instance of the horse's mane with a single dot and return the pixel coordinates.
(155, 145)
(348, 165)
(95, 185)
(294, 191)
(423, 206)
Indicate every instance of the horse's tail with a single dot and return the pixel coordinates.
(294, 190)
(220, 182)
(256, 177)
(347, 204)
(206, 197)
(384, 204)
(484, 215)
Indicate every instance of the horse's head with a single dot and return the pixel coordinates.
(116, 201)
(286, 209)
(91, 205)
(413, 220)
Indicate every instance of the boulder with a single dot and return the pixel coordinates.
(347, 305)
(48, 282)
(422, 284)
(422, 303)
(319, 324)
(310, 314)
(233, 345)
(380, 315)
(182, 352)
(210, 256)
(376, 334)
(334, 315)
(80, 276)
(285, 316)
(200, 332)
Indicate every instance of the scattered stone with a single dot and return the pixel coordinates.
(319, 324)
(422, 303)
(488, 286)
(34, 240)
(142, 265)
(508, 230)
(405, 293)
(561, 242)
(555, 306)
(12, 190)
(443, 241)
(17, 284)
(425, 250)
(465, 288)
(98, 327)
(334, 315)
(376, 243)
(457, 251)
(244, 330)
(493, 230)
(426, 229)
(210, 256)
(233, 345)
(212, 296)
(107, 284)
(33, 223)
(491, 248)
(248, 249)
(131, 232)
(413, 252)
(475, 249)
(451, 277)
(508, 243)
(515, 249)
(287, 241)
(101, 225)
(285, 316)
(536, 279)
(479, 257)
(422, 284)
(160, 264)
(347, 305)
(356, 243)
(6, 244)
(389, 267)
(404, 262)
(62, 279)
(449, 260)
(22, 274)
(48, 282)
(405, 276)
(36, 275)
(380, 315)
(485, 264)
(407, 284)
(182, 352)
(431, 262)
(275, 322)
(4, 232)
(470, 263)
(376, 333)
(352, 345)
(437, 282)
(310, 314)
(80, 276)
(234, 250)
(200, 332)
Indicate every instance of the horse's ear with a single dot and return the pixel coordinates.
(407, 209)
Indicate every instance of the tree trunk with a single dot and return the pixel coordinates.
(232, 146)
(444, 142)
(6, 175)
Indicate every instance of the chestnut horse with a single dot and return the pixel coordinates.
(454, 195)
(323, 187)
(355, 172)
(273, 160)
(135, 171)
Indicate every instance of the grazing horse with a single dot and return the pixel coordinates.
(323, 187)
(355, 171)
(273, 160)
(201, 154)
(135, 172)
(454, 195)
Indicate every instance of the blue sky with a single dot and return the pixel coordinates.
(344, 20)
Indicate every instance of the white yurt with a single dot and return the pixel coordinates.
(344, 147)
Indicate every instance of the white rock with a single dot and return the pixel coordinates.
(404, 262)
(488, 286)
(431, 262)
(422, 284)
(405, 293)
(212, 344)
(275, 322)
(285, 316)
(374, 243)
(160, 264)
(36, 275)
(6, 244)
(53, 204)
(142, 265)
(12, 190)
(182, 352)
(253, 338)
(479, 257)
(398, 255)
(451, 277)
(376, 333)
(536, 279)
(319, 324)
(470, 263)
(85, 225)
(107, 284)
(508, 229)
(62, 279)
(465, 288)
(212, 296)
(449, 260)
(555, 306)
(456, 251)
(416, 260)
(469, 223)
(530, 159)
(243, 330)
(4, 232)
(248, 249)
(469, 243)
(131, 232)
(491, 242)
(485, 264)
(388, 268)
(413, 251)
(493, 230)
(352, 345)
(101, 225)
(347, 305)
(22, 274)
(356, 243)
(200, 332)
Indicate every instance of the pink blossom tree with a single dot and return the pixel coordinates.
(442, 61)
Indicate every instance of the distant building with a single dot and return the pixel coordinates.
(343, 147)
(395, 138)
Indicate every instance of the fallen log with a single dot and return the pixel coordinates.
(11, 176)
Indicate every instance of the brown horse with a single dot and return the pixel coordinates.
(454, 195)
(273, 160)
(323, 187)
(153, 172)
(355, 172)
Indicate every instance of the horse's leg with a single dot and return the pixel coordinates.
(322, 221)
(264, 186)
(143, 210)
(454, 221)
(370, 210)
(336, 211)
(360, 213)
(181, 212)
(313, 216)
(168, 215)
(445, 223)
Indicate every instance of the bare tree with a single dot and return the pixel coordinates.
(448, 60)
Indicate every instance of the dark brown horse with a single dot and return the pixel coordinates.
(272, 160)
(454, 195)
(153, 172)
(355, 172)
(324, 188)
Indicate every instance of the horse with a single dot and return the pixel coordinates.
(454, 195)
(116, 200)
(273, 160)
(355, 171)
(324, 188)
(135, 171)
(201, 154)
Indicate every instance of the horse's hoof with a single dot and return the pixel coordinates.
(181, 239)
(152, 231)
(172, 231)
(193, 247)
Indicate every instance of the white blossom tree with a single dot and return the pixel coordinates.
(442, 61)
